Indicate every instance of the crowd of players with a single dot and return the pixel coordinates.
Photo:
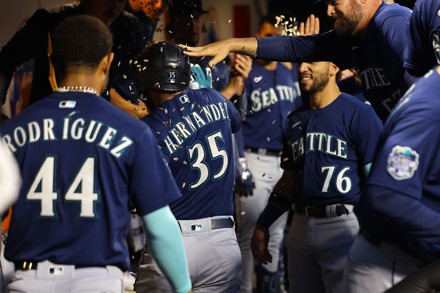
(336, 171)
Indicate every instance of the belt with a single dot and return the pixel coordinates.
(203, 224)
(33, 265)
(264, 152)
(322, 211)
(25, 265)
(221, 223)
(373, 240)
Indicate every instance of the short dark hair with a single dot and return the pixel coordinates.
(269, 18)
(80, 41)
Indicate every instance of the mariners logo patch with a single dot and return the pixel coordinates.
(402, 162)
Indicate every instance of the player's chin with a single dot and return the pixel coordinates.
(305, 85)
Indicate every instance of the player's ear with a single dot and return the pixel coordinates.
(334, 69)
(106, 62)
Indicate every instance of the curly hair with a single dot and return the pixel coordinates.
(80, 42)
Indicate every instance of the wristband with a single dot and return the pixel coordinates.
(276, 206)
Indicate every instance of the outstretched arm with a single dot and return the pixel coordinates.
(220, 49)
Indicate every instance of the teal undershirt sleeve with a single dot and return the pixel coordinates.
(166, 244)
(367, 169)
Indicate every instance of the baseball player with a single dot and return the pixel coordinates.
(371, 36)
(399, 211)
(194, 130)
(271, 93)
(328, 147)
(82, 161)
(148, 13)
(424, 45)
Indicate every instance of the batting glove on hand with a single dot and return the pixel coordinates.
(200, 79)
(128, 281)
(244, 181)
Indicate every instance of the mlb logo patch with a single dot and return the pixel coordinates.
(171, 77)
(196, 227)
(56, 270)
(402, 162)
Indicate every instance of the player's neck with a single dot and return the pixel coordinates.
(324, 97)
(81, 80)
(159, 97)
(368, 14)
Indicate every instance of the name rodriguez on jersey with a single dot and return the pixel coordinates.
(83, 129)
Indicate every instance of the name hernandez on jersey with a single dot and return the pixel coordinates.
(88, 130)
(192, 122)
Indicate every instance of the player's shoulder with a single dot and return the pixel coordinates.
(52, 15)
(354, 106)
(389, 12)
(27, 114)
(300, 112)
(126, 21)
(117, 115)
(62, 8)
(129, 17)
(428, 7)
(354, 101)
(206, 94)
(422, 97)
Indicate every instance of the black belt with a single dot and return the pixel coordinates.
(373, 240)
(33, 265)
(322, 211)
(221, 223)
(25, 265)
(264, 152)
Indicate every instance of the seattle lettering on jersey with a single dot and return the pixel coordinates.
(90, 131)
(263, 99)
(320, 142)
(376, 78)
(194, 121)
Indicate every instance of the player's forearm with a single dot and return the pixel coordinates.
(275, 48)
(167, 247)
(234, 88)
(286, 184)
(279, 200)
(246, 46)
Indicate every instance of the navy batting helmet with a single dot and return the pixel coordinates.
(164, 68)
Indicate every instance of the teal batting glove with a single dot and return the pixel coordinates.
(200, 79)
